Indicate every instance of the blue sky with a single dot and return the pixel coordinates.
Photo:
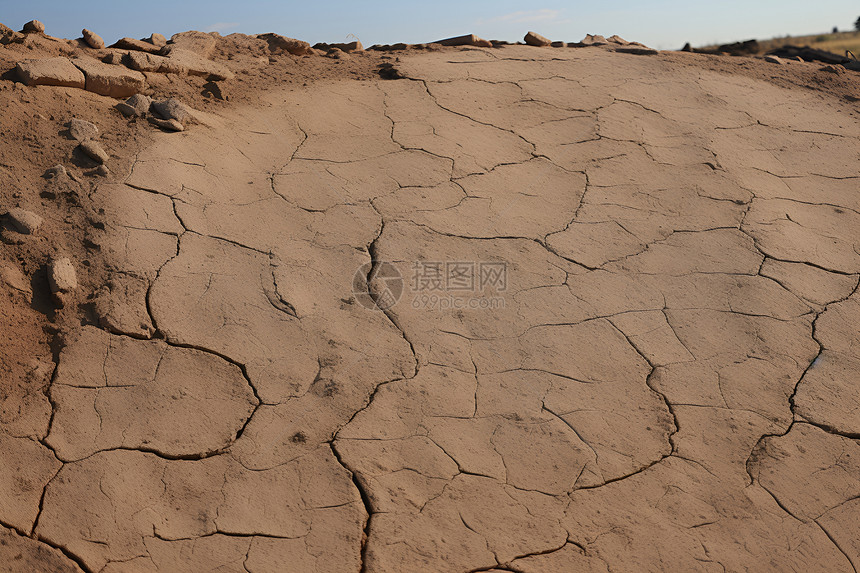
(665, 24)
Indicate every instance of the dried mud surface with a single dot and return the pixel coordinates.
(667, 380)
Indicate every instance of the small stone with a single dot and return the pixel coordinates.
(62, 276)
(15, 279)
(92, 39)
(773, 60)
(836, 69)
(82, 130)
(156, 40)
(167, 124)
(55, 171)
(172, 108)
(50, 72)
(94, 151)
(34, 27)
(23, 221)
(535, 39)
(102, 171)
(135, 106)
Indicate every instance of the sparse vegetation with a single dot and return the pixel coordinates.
(837, 43)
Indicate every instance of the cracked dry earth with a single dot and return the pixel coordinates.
(671, 383)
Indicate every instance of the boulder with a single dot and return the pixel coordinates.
(135, 106)
(137, 45)
(115, 58)
(197, 42)
(62, 276)
(172, 108)
(94, 151)
(92, 39)
(33, 27)
(467, 40)
(108, 80)
(23, 221)
(280, 44)
(50, 72)
(593, 40)
(535, 39)
(196, 65)
(82, 130)
(144, 62)
(156, 40)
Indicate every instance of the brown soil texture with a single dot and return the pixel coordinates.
(433, 309)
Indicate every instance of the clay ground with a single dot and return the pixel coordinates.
(666, 380)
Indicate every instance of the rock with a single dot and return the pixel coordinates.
(559, 44)
(55, 171)
(280, 44)
(34, 27)
(167, 124)
(114, 58)
(138, 45)
(535, 39)
(92, 39)
(616, 39)
(593, 40)
(773, 60)
(15, 279)
(144, 62)
(197, 42)
(172, 108)
(62, 276)
(156, 40)
(5, 30)
(50, 72)
(348, 47)
(135, 106)
(95, 151)
(82, 130)
(108, 80)
(335, 53)
(638, 50)
(196, 65)
(23, 221)
(102, 171)
(467, 40)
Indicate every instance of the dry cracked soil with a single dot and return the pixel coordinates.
(523, 309)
